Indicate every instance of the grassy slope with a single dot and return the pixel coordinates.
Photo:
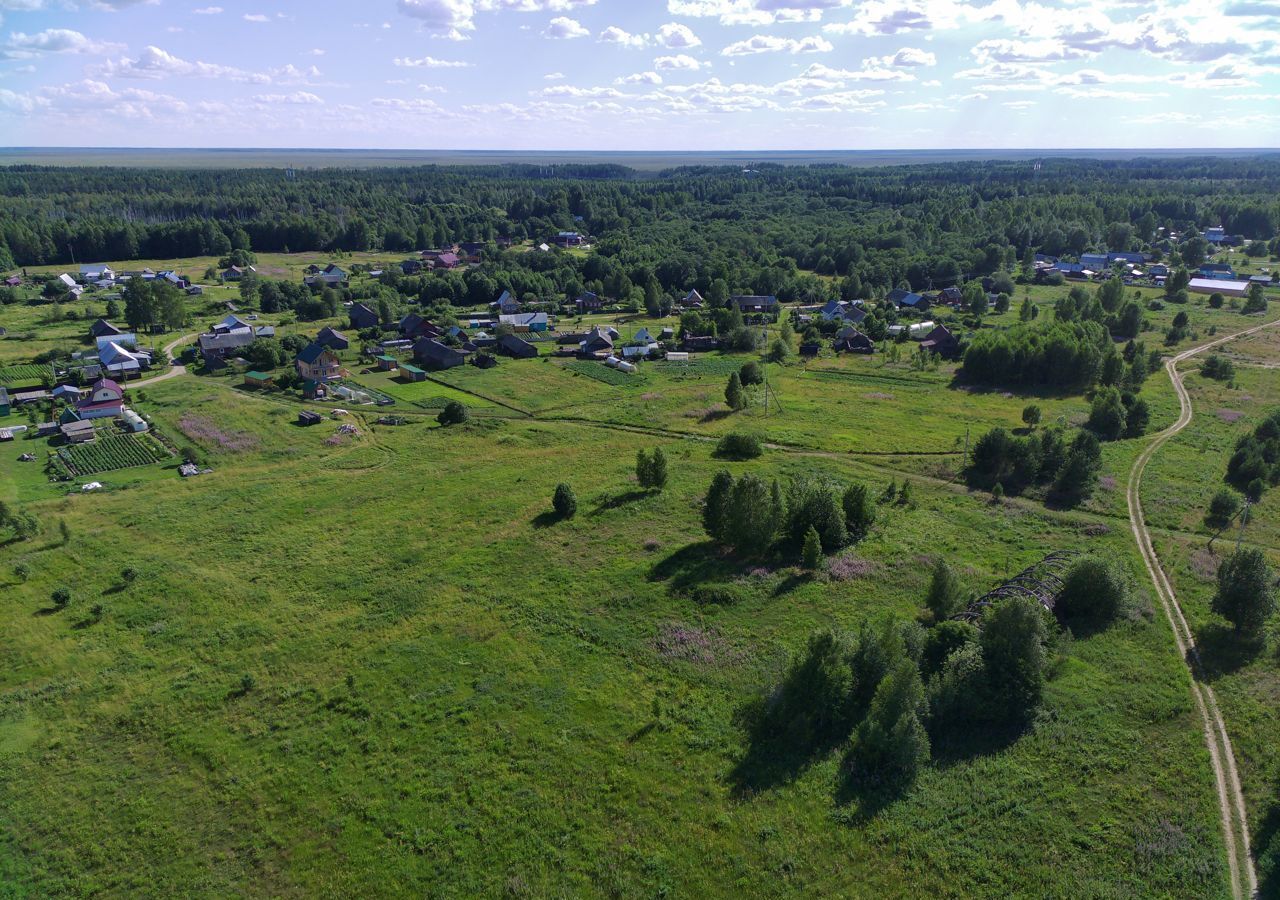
(449, 691)
(1177, 488)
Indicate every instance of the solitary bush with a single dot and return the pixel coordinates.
(739, 445)
(129, 575)
(750, 374)
(22, 571)
(734, 396)
(61, 597)
(1218, 368)
(946, 594)
(454, 413)
(1031, 416)
(1094, 591)
(651, 468)
(1222, 509)
(718, 594)
(564, 502)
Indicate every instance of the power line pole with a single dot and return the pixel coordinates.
(1244, 520)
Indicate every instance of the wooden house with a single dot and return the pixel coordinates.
(412, 373)
(259, 380)
(317, 362)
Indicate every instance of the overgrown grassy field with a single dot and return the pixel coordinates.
(1177, 488)
(375, 664)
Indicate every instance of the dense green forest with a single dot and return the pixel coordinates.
(764, 231)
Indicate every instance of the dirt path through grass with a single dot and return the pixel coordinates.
(1235, 825)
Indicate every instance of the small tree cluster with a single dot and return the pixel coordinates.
(1246, 591)
(1042, 458)
(1218, 368)
(1255, 464)
(1114, 415)
(1094, 591)
(651, 469)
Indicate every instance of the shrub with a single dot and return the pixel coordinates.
(22, 571)
(651, 469)
(750, 374)
(946, 594)
(129, 575)
(958, 694)
(1094, 591)
(1107, 414)
(859, 510)
(739, 445)
(734, 397)
(716, 505)
(1031, 416)
(564, 502)
(454, 413)
(1218, 368)
(61, 597)
(1216, 300)
(1222, 509)
(811, 554)
(1246, 591)
(942, 640)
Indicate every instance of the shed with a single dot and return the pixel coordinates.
(258, 379)
(385, 363)
(411, 373)
(307, 417)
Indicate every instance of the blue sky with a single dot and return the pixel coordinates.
(640, 74)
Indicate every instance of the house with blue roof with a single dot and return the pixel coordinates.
(905, 299)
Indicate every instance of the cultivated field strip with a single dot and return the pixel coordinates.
(1235, 825)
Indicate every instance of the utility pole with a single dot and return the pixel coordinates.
(1244, 520)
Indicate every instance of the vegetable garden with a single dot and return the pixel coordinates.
(111, 451)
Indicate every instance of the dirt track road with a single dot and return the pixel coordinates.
(1235, 825)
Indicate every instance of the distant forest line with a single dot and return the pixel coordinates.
(760, 230)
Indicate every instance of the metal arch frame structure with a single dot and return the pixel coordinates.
(1042, 581)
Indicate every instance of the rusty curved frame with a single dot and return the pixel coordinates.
(1041, 581)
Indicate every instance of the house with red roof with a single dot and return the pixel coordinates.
(105, 401)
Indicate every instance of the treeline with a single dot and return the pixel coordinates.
(918, 226)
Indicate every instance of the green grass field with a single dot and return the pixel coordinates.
(374, 664)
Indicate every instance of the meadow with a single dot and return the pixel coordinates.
(376, 664)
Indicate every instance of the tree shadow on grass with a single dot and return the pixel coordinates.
(791, 582)
(1223, 651)
(776, 754)
(959, 744)
(694, 564)
(47, 611)
(618, 501)
(545, 519)
(865, 798)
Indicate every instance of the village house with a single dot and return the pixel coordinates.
(121, 362)
(569, 239)
(692, 300)
(525, 321)
(96, 272)
(447, 261)
(334, 340)
(103, 328)
(942, 342)
(851, 340)
(506, 305)
(13, 281)
(363, 317)
(414, 326)
(411, 266)
(105, 401)
(318, 363)
(330, 276)
(750, 304)
(435, 356)
(596, 342)
(510, 345)
(905, 299)
(588, 301)
(235, 273)
(1218, 286)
